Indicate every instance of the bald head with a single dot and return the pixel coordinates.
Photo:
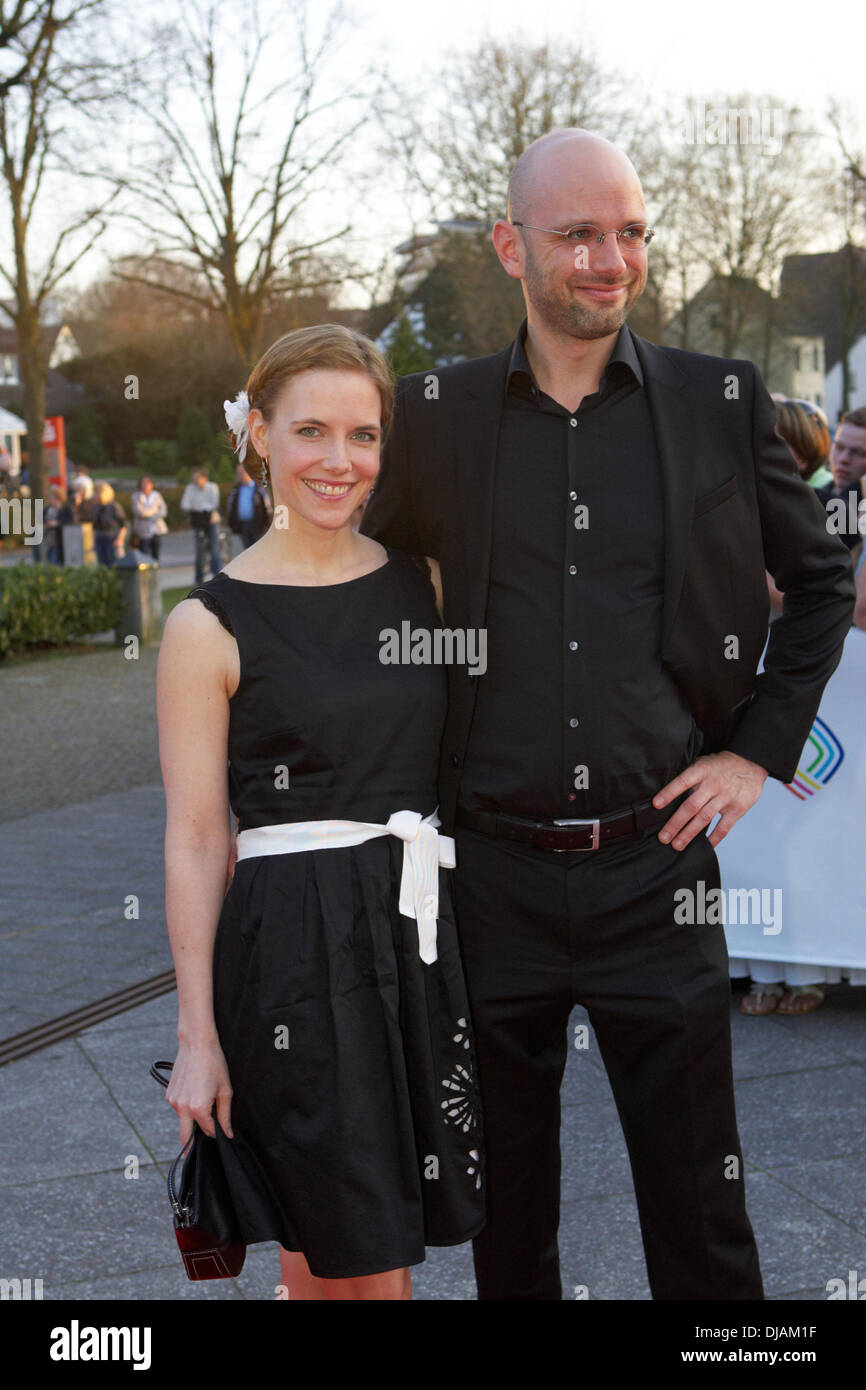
(562, 168)
(581, 286)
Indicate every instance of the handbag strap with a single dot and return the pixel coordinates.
(156, 1072)
(182, 1214)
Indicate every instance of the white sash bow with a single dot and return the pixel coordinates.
(424, 849)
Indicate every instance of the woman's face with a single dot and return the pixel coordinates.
(322, 444)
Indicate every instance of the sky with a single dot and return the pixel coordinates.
(796, 51)
(793, 47)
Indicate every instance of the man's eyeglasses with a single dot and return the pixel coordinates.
(635, 235)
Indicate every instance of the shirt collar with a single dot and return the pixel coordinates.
(623, 351)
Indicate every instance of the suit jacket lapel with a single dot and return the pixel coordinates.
(674, 427)
(476, 420)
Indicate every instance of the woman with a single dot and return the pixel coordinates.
(328, 1024)
(58, 513)
(109, 526)
(149, 511)
(804, 428)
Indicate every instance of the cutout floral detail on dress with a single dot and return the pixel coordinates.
(462, 1107)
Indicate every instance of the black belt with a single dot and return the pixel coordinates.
(565, 835)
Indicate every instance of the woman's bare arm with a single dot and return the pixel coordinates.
(197, 672)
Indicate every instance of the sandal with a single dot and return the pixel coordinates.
(761, 999)
(812, 997)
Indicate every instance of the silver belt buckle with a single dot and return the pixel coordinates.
(594, 845)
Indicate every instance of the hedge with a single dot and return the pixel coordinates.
(46, 606)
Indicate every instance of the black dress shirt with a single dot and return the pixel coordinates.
(576, 715)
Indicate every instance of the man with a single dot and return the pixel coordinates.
(606, 509)
(201, 499)
(844, 495)
(248, 510)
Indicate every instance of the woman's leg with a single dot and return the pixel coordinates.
(302, 1286)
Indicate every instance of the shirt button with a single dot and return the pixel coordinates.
(573, 496)
(572, 796)
(572, 569)
(573, 423)
(573, 646)
(574, 723)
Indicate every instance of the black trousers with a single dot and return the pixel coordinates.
(542, 932)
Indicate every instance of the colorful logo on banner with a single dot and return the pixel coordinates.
(826, 754)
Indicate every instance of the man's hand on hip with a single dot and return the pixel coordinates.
(722, 784)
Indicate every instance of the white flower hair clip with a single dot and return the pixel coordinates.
(238, 421)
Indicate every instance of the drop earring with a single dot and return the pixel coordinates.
(265, 478)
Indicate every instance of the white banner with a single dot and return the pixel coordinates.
(808, 839)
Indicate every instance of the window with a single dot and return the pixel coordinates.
(10, 367)
(816, 359)
(796, 359)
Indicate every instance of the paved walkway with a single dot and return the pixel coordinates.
(83, 818)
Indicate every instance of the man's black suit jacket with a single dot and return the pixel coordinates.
(734, 506)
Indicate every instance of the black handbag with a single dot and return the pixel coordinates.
(205, 1221)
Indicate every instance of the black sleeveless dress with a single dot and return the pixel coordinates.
(351, 1060)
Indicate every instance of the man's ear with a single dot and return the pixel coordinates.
(509, 248)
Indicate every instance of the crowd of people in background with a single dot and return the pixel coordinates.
(248, 515)
(836, 469)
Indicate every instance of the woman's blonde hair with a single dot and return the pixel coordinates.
(324, 345)
(105, 492)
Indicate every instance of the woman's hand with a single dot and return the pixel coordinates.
(199, 1077)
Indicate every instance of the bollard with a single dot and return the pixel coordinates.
(141, 600)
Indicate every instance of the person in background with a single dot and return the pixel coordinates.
(5, 466)
(786, 987)
(80, 470)
(805, 430)
(58, 513)
(148, 517)
(803, 426)
(248, 510)
(848, 466)
(201, 500)
(109, 526)
(84, 502)
(860, 602)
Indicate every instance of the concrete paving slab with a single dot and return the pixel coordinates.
(802, 1115)
(60, 1121)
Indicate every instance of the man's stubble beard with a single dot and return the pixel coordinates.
(566, 315)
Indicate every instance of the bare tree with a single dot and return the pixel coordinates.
(485, 106)
(207, 201)
(40, 38)
(848, 195)
(738, 195)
